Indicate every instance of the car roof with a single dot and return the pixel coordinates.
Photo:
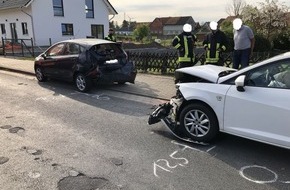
(87, 42)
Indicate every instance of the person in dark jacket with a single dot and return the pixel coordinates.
(185, 43)
(111, 36)
(214, 44)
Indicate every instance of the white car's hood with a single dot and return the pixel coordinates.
(207, 72)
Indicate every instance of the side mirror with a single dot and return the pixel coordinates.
(43, 56)
(240, 83)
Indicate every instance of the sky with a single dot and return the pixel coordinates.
(200, 10)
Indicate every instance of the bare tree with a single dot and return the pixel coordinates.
(235, 8)
(252, 17)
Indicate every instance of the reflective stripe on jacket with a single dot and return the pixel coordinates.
(185, 45)
(111, 38)
(215, 43)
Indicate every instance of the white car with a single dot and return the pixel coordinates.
(253, 102)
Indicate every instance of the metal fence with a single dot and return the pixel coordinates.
(21, 47)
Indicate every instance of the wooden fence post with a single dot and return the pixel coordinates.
(145, 61)
(22, 48)
(32, 48)
(164, 64)
(3, 46)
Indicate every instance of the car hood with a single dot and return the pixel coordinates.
(207, 72)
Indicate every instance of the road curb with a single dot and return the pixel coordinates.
(17, 71)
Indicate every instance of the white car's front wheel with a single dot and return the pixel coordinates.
(199, 122)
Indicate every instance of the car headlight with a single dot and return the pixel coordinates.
(178, 93)
(175, 103)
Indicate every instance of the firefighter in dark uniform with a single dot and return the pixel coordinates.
(214, 44)
(111, 36)
(185, 43)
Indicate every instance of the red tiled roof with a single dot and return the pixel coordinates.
(174, 20)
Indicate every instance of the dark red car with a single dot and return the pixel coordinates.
(85, 61)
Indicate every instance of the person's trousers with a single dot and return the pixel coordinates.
(241, 58)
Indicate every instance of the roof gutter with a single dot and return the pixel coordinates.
(28, 3)
(112, 18)
(32, 24)
(109, 6)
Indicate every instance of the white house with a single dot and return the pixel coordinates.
(42, 20)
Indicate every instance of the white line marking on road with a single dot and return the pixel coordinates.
(208, 150)
(257, 181)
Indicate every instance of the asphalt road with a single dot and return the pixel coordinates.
(53, 137)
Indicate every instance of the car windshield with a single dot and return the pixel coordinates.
(275, 75)
(108, 51)
(225, 73)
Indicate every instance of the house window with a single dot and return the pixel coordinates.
(67, 29)
(97, 31)
(58, 8)
(3, 30)
(24, 28)
(89, 9)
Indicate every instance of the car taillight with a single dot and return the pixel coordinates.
(127, 59)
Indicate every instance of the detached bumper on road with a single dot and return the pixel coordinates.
(159, 113)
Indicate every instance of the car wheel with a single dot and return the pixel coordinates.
(39, 75)
(82, 83)
(199, 122)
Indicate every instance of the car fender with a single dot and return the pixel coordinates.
(210, 93)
